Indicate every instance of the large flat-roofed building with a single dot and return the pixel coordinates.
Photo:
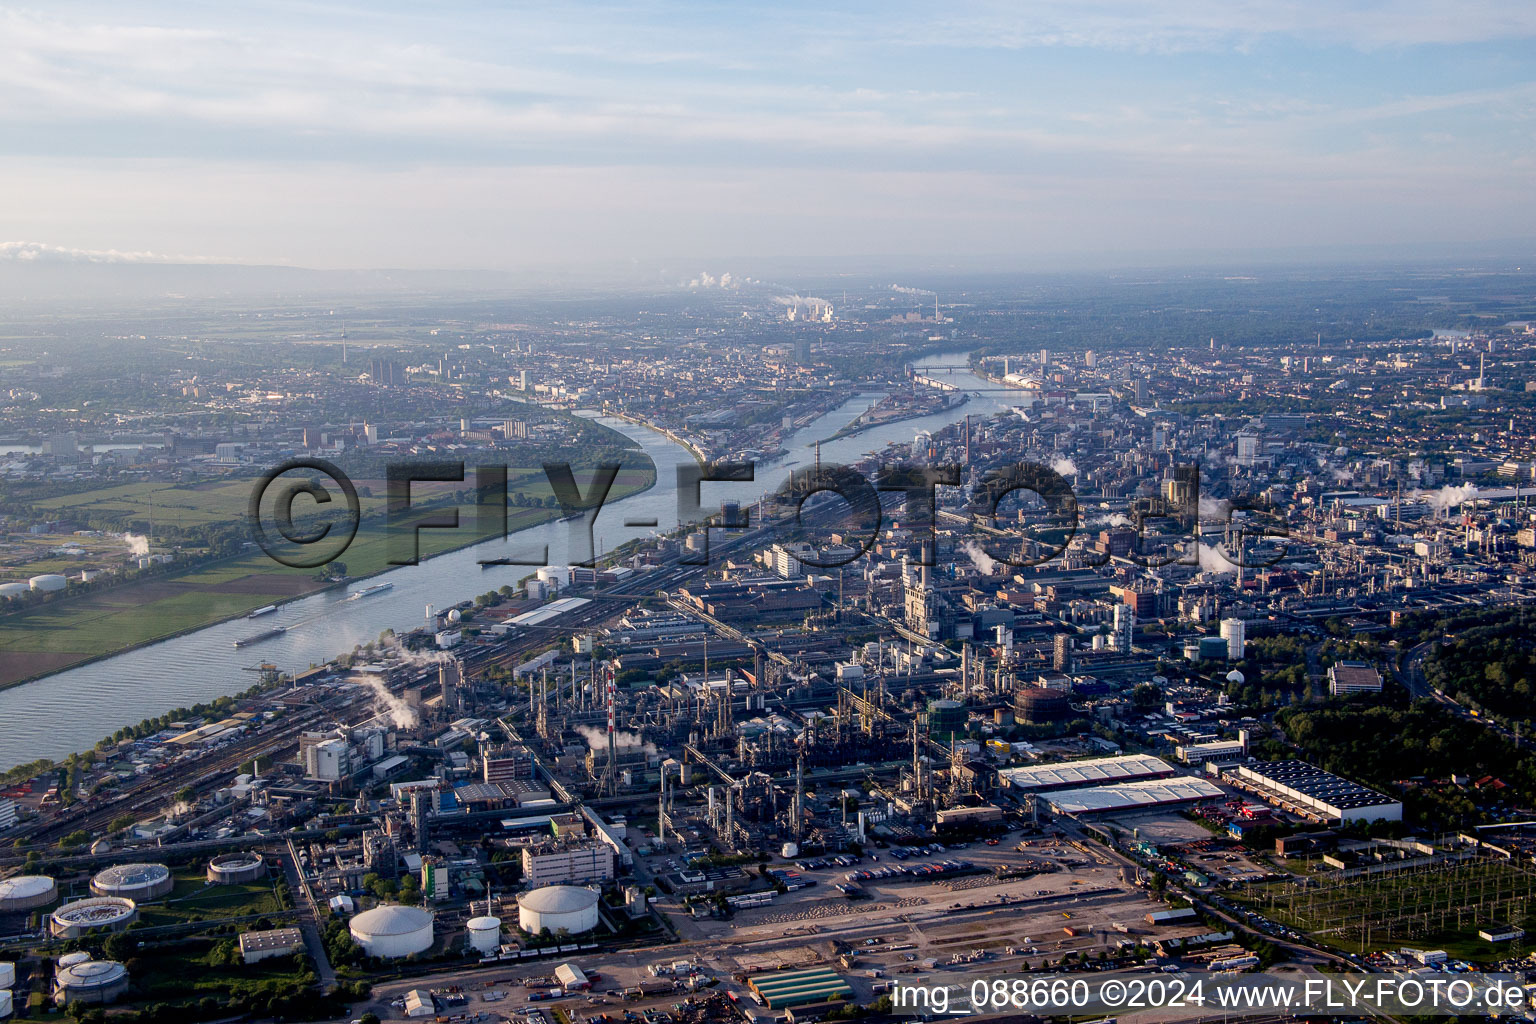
(1307, 789)
(1214, 751)
(255, 946)
(1348, 677)
(562, 863)
(779, 989)
(1134, 796)
(1077, 774)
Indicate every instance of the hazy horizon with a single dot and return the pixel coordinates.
(981, 137)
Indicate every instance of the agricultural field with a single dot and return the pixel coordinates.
(109, 619)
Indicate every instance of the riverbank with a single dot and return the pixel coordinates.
(63, 635)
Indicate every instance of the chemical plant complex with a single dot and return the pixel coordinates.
(1184, 660)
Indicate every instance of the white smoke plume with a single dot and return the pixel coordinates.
(1214, 508)
(137, 545)
(597, 739)
(1064, 466)
(399, 711)
(985, 562)
(1213, 558)
(1447, 497)
(911, 291)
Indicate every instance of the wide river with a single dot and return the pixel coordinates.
(71, 710)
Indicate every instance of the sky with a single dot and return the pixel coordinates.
(973, 135)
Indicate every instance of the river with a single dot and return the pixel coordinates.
(71, 710)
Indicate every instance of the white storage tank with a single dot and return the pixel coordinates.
(484, 934)
(26, 892)
(92, 982)
(5, 1003)
(7, 974)
(137, 882)
(236, 868)
(98, 914)
(69, 960)
(393, 930)
(789, 851)
(48, 582)
(571, 907)
(13, 589)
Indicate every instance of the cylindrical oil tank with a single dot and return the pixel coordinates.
(92, 982)
(236, 868)
(484, 934)
(26, 892)
(97, 914)
(1038, 706)
(393, 930)
(137, 882)
(571, 907)
(14, 589)
(48, 582)
(946, 719)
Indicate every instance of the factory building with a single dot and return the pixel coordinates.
(559, 863)
(779, 989)
(1306, 789)
(1077, 774)
(1215, 751)
(1347, 677)
(1134, 796)
(257, 946)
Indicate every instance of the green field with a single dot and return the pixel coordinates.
(70, 631)
(194, 900)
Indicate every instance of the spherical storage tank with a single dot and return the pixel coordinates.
(94, 981)
(15, 589)
(484, 934)
(98, 914)
(570, 907)
(393, 930)
(26, 892)
(48, 581)
(137, 882)
(235, 868)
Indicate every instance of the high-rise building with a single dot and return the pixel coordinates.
(1141, 391)
(1247, 449)
(62, 446)
(1125, 627)
(1062, 655)
(1090, 359)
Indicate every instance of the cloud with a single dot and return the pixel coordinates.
(38, 252)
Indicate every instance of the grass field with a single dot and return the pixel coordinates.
(193, 900)
(69, 632)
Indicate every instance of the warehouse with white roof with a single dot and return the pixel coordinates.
(1134, 796)
(1039, 778)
